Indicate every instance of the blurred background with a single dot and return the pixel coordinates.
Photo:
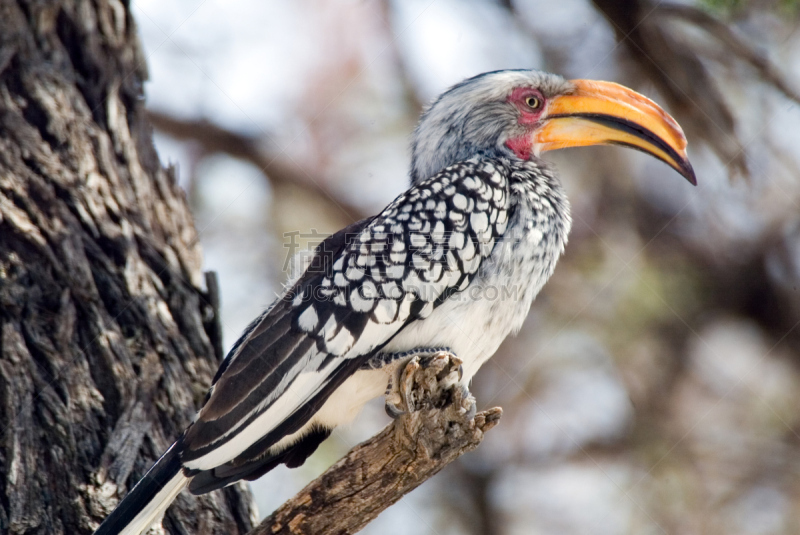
(655, 387)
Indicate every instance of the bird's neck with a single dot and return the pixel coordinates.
(425, 164)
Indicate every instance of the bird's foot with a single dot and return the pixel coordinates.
(429, 381)
(383, 359)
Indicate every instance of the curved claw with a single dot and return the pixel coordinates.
(393, 410)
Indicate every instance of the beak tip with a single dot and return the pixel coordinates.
(688, 172)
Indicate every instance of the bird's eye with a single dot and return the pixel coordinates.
(532, 102)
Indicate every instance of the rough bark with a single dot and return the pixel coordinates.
(108, 342)
(439, 426)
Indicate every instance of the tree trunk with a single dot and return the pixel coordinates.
(108, 342)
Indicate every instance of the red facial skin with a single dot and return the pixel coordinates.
(529, 118)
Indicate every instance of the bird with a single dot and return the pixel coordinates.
(483, 212)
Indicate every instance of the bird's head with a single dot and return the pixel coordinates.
(520, 114)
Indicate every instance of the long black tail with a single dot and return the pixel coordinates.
(149, 498)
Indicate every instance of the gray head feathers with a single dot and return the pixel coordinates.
(474, 117)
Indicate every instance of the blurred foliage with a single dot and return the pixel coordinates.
(723, 7)
(729, 8)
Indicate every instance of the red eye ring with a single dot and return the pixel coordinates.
(530, 104)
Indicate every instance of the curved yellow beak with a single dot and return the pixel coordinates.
(605, 113)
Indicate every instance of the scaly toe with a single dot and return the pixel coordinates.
(467, 401)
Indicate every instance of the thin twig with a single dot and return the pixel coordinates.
(214, 138)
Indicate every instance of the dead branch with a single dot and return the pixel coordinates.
(437, 428)
(279, 169)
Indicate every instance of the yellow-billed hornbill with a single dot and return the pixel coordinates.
(483, 211)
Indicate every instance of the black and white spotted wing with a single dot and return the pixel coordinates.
(363, 286)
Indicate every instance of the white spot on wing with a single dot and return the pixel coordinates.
(438, 232)
(418, 240)
(395, 271)
(468, 252)
(385, 311)
(397, 258)
(308, 319)
(479, 221)
(361, 300)
(341, 343)
(456, 240)
(353, 273)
